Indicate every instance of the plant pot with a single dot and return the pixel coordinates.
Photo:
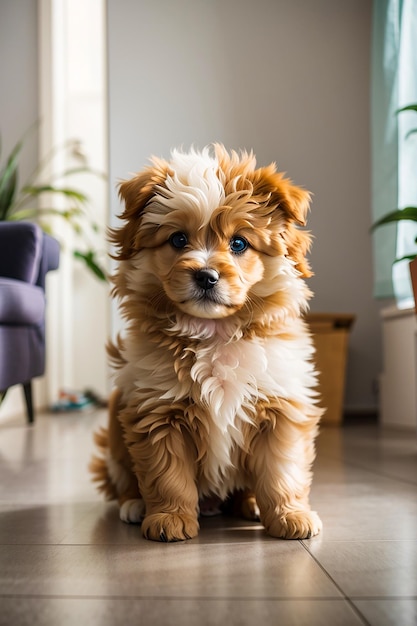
(331, 336)
(413, 273)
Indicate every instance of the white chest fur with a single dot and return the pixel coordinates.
(227, 379)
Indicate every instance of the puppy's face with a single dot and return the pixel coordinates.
(211, 235)
(207, 274)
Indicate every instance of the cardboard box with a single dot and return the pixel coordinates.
(331, 335)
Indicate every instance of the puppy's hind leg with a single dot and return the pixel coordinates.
(242, 503)
(246, 505)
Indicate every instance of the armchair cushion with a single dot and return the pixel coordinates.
(21, 303)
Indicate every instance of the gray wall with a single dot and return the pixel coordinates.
(18, 112)
(288, 78)
(19, 79)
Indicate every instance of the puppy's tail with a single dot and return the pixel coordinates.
(114, 352)
(103, 467)
(112, 468)
(99, 465)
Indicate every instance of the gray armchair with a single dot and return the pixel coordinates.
(26, 255)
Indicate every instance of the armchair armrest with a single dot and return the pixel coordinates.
(49, 258)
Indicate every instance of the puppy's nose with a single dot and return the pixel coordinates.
(206, 278)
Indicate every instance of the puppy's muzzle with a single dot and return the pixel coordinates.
(206, 278)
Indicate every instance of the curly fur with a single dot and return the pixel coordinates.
(215, 385)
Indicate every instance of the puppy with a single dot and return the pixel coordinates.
(215, 382)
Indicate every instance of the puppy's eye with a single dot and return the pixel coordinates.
(238, 244)
(178, 240)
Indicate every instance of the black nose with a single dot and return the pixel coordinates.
(207, 278)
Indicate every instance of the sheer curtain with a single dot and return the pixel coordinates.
(394, 155)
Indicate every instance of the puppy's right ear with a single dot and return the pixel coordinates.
(136, 193)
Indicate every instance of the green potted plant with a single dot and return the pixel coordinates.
(22, 202)
(408, 213)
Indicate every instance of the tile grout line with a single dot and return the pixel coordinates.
(179, 598)
(338, 587)
(382, 598)
(196, 541)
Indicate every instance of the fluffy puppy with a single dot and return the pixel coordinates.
(214, 373)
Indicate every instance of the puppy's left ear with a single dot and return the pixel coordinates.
(295, 202)
(292, 203)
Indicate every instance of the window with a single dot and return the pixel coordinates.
(394, 155)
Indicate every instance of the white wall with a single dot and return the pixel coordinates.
(18, 78)
(289, 79)
(73, 106)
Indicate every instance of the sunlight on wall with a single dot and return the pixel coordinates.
(73, 106)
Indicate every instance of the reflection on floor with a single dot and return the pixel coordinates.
(67, 559)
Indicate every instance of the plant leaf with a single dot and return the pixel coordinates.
(84, 169)
(7, 195)
(8, 181)
(409, 107)
(411, 132)
(408, 213)
(37, 190)
(407, 257)
(25, 214)
(9, 175)
(89, 259)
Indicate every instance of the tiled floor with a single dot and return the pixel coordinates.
(66, 559)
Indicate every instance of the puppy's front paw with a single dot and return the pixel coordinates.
(169, 527)
(295, 525)
(132, 511)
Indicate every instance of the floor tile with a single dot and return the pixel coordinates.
(48, 462)
(277, 569)
(388, 452)
(172, 612)
(360, 505)
(40, 524)
(389, 611)
(67, 558)
(51, 437)
(45, 482)
(371, 568)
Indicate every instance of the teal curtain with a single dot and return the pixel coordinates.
(394, 156)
